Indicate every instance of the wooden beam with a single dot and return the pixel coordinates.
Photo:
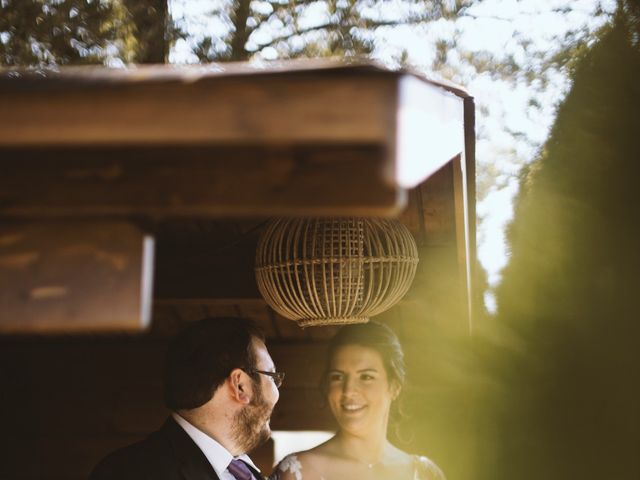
(416, 126)
(156, 106)
(205, 180)
(74, 276)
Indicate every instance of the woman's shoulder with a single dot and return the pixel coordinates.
(426, 469)
(294, 465)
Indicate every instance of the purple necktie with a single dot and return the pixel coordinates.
(240, 470)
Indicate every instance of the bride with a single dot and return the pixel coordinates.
(364, 375)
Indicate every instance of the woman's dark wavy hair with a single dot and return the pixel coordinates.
(380, 338)
(201, 358)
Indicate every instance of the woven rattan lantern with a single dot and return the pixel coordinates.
(330, 271)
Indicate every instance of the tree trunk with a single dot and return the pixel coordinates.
(241, 35)
(151, 19)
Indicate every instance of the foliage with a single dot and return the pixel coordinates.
(563, 355)
(306, 28)
(61, 32)
(525, 60)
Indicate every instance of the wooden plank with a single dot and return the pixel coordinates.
(74, 276)
(430, 213)
(205, 180)
(73, 109)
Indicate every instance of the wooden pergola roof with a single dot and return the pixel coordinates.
(134, 198)
(200, 156)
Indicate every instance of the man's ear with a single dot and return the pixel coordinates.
(240, 386)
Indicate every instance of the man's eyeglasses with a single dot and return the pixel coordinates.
(277, 377)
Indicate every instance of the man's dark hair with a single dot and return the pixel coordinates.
(201, 357)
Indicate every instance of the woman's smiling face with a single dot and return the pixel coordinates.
(358, 390)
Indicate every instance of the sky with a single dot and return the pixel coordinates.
(510, 131)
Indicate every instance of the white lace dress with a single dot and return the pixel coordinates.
(424, 469)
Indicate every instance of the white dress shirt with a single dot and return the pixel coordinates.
(218, 456)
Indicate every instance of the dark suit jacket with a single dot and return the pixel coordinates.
(168, 454)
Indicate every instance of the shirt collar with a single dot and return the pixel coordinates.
(218, 456)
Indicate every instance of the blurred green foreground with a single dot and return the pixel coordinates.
(549, 388)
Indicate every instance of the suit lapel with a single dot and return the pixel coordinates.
(195, 465)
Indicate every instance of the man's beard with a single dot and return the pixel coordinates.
(251, 424)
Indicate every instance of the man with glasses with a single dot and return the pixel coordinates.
(221, 386)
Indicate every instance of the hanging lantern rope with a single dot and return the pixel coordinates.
(329, 271)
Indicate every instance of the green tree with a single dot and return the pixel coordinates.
(41, 33)
(302, 28)
(564, 361)
(152, 29)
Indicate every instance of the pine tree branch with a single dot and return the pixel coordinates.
(303, 31)
(332, 26)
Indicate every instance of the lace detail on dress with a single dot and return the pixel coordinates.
(289, 464)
